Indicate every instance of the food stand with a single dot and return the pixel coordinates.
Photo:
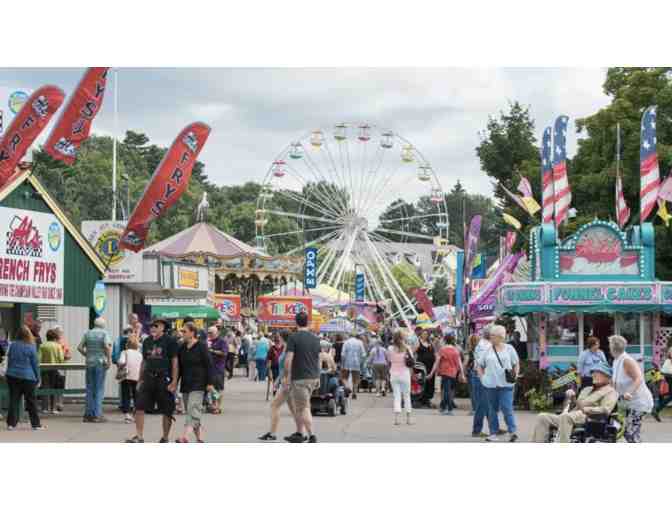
(598, 282)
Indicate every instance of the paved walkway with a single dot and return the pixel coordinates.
(246, 416)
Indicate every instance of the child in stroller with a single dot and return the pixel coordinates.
(418, 378)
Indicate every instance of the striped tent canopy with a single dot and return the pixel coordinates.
(204, 239)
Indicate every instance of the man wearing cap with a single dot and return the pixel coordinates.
(158, 380)
(600, 398)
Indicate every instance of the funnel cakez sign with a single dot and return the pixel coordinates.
(170, 180)
(31, 257)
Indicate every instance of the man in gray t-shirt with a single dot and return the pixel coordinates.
(302, 374)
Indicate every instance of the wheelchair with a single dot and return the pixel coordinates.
(598, 428)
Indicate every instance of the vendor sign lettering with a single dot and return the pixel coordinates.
(523, 295)
(31, 257)
(611, 294)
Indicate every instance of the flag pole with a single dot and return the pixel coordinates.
(114, 145)
(618, 167)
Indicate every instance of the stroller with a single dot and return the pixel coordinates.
(366, 381)
(418, 378)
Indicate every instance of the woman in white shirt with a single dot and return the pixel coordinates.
(666, 370)
(129, 367)
(493, 364)
(629, 383)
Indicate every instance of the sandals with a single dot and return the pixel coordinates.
(135, 439)
(267, 437)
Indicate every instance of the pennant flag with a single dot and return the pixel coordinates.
(510, 241)
(662, 212)
(524, 187)
(563, 193)
(26, 127)
(548, 193)
(511, 221)
(423, 300)
(74, 124)
(472, 244)
(526, 203)
(649, 172)
(169, 181)
(665, 191)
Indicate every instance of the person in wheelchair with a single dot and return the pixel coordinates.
(597, 400)
(328, 370)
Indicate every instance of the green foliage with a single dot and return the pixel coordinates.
(440, 294)
(407, 276)
(593, 169)
(507, 153)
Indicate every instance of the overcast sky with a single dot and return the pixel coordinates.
(255, 113)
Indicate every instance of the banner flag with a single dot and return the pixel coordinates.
(169, 181)
(649, 171)
(26, 127)
(548, 190)
(563, 193)
(74, 123)
(511, 221)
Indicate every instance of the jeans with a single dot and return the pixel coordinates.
(95, 390)
(481, 407)
(261, 369)
(447, 389)
(401, 389)
(500, 399)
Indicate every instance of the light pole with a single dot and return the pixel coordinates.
(127, 180)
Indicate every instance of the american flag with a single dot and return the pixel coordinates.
(622, 209)
(563, 194)
(548, 196)
(649, 173)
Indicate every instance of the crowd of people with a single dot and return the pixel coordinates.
(184, 371)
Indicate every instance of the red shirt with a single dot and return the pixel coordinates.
(449, 361)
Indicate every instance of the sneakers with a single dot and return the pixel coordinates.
(98, 419)
(480, 435)
(268, 437)
(296, 438)
(164, 440)
(87, 419)
(501, 432)
(135, 439)
(9, 427)
(656, 415)
(312, 438)
(55, 412)
(446, 412)
(41, 427)
(128, 418)
(492, 438)
(513, 438)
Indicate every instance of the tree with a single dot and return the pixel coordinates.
(439, 292)
(508, 152)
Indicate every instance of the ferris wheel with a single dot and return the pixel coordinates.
(366, 198)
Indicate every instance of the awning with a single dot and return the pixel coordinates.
(172, 312)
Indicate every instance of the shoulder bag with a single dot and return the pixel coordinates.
(509, 375)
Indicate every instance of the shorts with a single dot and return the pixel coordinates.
(219, 382)
(380, 372)
(300, 392)
(193, 407)
(154, 392)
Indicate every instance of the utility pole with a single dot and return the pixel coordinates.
(114, 145)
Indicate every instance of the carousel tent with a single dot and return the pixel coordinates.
(235, 267)
(205, 240)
